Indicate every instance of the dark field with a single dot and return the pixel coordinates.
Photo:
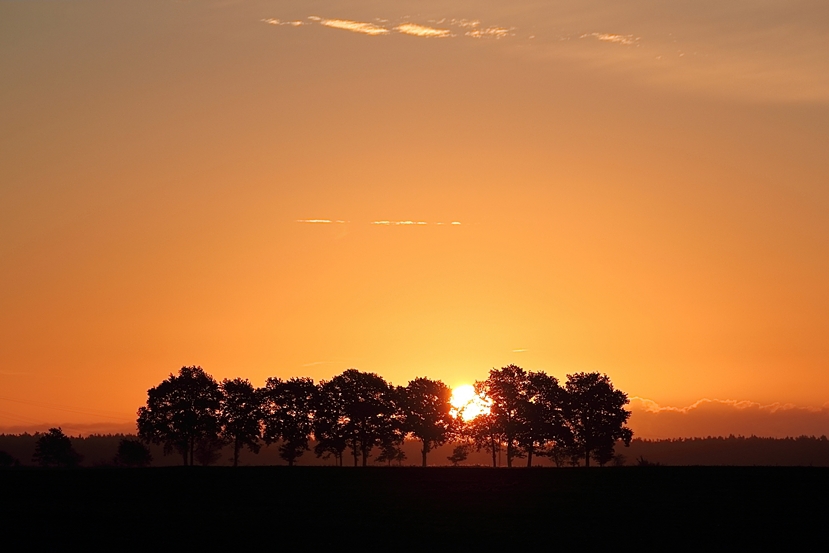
(392, 509)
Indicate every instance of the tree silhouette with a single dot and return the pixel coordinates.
(427, 413)
(181, 411)
(459, 454)
(507, 389)
(209, 449)
(558, 453)
(241, 416)
(132, 453)
(289, 415)
(595, 415)
(54, 449)
(485, 433)
(369, 414)
(330, 421)
(541, 414)
(391, 451)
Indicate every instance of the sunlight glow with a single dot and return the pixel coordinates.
(467, 404)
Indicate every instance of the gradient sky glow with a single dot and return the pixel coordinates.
(286, 188)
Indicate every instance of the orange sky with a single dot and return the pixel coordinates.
(642, 190)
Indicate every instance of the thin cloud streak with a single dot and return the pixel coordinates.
(472, 27)
(490, 32)
(355, 26)
(626, 40)
(408, 223)
(274, 21)
(321, 221)
(422, 31)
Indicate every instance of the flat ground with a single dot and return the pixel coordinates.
(417, 509)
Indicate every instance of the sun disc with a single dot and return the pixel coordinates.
(467, 403)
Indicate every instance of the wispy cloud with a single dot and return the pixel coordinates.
(519, 350)
(477, 31)
(399, 223)
(626, 40)
(355, 26)
(321, 221)
(422, 31)
(490, 32)
(273, 21)
(470, 27)
(385, 222)
(463, 23)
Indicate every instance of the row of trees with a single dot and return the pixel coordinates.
(355, 412)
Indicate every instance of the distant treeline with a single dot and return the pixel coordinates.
(100, 450)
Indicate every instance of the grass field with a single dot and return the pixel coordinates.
(389, 509)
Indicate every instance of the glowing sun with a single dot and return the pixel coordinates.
(467, 403)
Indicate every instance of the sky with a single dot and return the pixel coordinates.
(417, 188)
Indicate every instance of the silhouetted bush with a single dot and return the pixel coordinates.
(54, 449)
(7, 461)
(459, 454)
(132, 453)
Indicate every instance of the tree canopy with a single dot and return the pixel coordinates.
(240, 416)
(595, 415)
(427, 413)
(181, 411)
(370, 414)
(288, 409)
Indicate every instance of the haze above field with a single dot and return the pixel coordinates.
(636, 188)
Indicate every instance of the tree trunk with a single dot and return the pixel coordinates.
(192, 449)
(586, 457)
(365, 455)
(529, 456)
(509, 454)
(494, 460)
(236, 447)
(424, 451)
